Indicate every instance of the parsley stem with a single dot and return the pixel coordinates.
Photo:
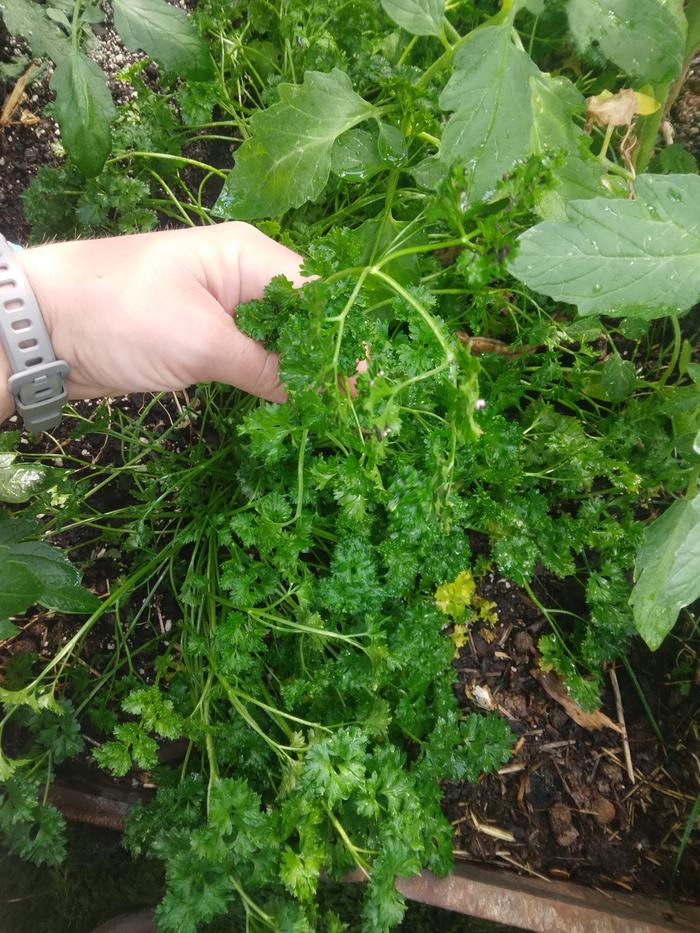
(122, 156)
(422, 248)
(675, 352)
(349, 844)
(417, 306)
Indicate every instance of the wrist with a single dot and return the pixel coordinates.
(33, 379)
(7, 402)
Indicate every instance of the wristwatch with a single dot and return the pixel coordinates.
(37, 380)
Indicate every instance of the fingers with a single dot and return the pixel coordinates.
(244, 262)
(248, 365)
(223, 353)
(261, 259)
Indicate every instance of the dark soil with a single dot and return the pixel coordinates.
(685, 115)
(564, 806)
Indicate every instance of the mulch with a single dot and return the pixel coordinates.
(565, 806)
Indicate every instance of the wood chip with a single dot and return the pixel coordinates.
(494, 831)
(13, 99)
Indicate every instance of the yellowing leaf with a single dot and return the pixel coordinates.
(459, 637)
(456, 597)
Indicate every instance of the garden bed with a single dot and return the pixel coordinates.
(600, 801)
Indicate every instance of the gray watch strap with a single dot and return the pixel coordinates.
(37, 380)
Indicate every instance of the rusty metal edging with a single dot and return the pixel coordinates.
(491, 894)
(546, 906)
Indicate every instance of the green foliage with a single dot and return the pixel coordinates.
(292, 139)
(84, 111)
(580, 260)
(420, 19)
(646, 38)
(667, 570)
(318, 553)
(84, 107)
(489, 93)
(34, 572)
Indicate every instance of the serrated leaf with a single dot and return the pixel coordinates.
(165, 33)
(27, 19)
(646, 38)
(57, 580)
(69, 599)
(674, 160)
(51, 566)
(667, 570)
(19, 587)
(556, 102)
(391, 144)
(287, 160)
(419, 17)
(84, 110)
(637, 258)
(490, 96)
(20, 481)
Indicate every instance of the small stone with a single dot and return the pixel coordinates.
(524, 643)
(604, 811)
(559, 818)
(567, 838)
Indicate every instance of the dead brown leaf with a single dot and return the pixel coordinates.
(608, 109)
(554, 686)
(13, 99)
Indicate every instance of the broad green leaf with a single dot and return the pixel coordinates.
(16, 529)
(287, 160)
(20, 481)
(646, 38)
(637, 258)
(47, 563)
(667, 570)
(85, 110)
(7, 630)
(355, 155)
(555, 104)
(73, 598)
(26, 18)
(391, 144)
(618, 379)
(19, 587)
(419, 17)
(60, 580)
(429, 173)
(489, 93)
(165, 33)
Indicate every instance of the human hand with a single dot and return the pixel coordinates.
(154, 311)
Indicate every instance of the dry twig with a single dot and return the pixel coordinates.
(623, 726)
